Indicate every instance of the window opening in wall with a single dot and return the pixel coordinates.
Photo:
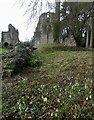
(6, 44)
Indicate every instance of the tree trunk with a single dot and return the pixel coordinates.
(56, 30)
(91, 39)
(92, 29)
(93, 25)
(87, 39)
(91, 35)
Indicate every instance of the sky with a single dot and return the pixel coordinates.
(12, 13)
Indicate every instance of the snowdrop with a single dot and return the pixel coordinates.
(90, 96)
(86, 98)
(58, 100)
(70, 96)
(85, 86)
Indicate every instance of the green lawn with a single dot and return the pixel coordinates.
(3, 50)
(60, 87)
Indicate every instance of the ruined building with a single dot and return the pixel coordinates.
(10, 38)
(44, 29)
(44, 32)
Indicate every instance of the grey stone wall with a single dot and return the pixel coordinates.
(44, 30)
(69, 41)
(10, 38)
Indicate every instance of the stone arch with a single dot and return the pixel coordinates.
(6, 44)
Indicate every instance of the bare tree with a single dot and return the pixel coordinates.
(35, 8)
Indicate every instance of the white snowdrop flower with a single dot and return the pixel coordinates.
(86, 98)
(56, 110)
(70, 83)
(60, 94)
(60, 90)
(65, 89)
(86, 72)
(70, 96)
(51, 114)
(58, 100)
(74, 116)
(85, 86)
(90, 96)
(90, 92)
(45, 99)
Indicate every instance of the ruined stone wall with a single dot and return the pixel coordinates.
(11, 37)
(69, 41)
(6, 37)
(44, 30)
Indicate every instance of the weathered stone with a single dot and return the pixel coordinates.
(11, 55)
(44, 32)
(15, 60)
(69, 41)
(10, 38)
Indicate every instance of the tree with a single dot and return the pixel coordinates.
(75, 16)
(91, 33)
(56, 24)
(87, 39)
(92, 26)
(34, 7)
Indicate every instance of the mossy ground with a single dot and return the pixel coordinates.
(61, 88)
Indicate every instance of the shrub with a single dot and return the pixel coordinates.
(36, 60)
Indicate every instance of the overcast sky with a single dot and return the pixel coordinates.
(11, 13)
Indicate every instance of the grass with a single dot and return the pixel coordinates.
(61, 88)
(2, 50)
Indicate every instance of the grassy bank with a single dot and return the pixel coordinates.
(61, 88)
(2, 50)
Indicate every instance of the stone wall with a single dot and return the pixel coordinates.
(69, 41)
(17, 59)
(44, 30)
(10, 38)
